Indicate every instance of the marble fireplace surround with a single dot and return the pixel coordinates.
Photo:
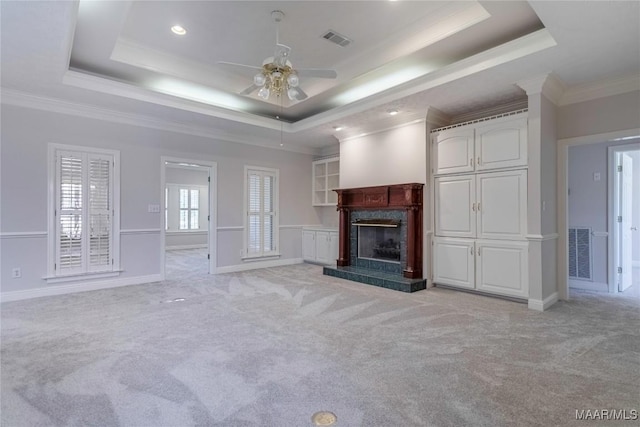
(400, 202)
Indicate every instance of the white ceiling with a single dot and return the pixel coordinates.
(120, 58)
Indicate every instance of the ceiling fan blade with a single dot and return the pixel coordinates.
(317, 72)
(248, 90)
(300, 94)
(233, 64)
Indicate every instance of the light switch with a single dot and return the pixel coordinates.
(596, 176)
(154, 209)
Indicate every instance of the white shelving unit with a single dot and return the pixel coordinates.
(326, 178)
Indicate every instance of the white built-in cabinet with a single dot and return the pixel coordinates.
(486, 146)
(480, 195)
(326, 178)
(320, 245)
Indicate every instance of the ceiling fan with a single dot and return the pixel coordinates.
(277, 75)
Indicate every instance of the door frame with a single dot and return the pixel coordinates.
(615, 241)
(212, 237)
(562, 200)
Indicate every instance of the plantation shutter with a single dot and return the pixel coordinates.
(261, 213)
(100, 212)
(84, 209)
(70, 204)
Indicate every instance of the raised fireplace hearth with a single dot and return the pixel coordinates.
(381, 236)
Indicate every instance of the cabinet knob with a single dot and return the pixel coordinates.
(473, 207)
(471, 162)
(479, 160)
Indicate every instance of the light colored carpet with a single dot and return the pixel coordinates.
(271, 347)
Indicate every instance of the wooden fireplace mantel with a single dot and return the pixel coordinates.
(400, 196)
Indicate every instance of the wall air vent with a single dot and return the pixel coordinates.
(336, 38)
(580, 253)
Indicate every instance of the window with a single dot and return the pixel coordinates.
(83, 237)
(189, 209)
(261, 224)
(186, 208)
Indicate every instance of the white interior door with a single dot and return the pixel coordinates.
(625, 233)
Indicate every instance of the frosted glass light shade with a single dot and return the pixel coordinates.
(264, 93)
(292, 93)
(293, 80)
(259, 79)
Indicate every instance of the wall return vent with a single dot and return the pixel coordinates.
(336, 38)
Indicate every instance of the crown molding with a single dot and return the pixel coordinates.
(489, 112)
(37, 102)
(602, 89)
(437, 118)
(547, 84)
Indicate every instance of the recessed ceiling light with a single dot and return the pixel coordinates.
(177, 29)
(338, 128)
(392, 112)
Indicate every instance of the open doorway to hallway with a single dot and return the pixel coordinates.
(189, 201)
(604, 216)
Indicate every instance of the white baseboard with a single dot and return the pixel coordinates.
(178, 247)
(258, 264)
(542, 305)
(77, 287)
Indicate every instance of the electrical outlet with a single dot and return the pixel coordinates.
(153, 208)
(16, 273)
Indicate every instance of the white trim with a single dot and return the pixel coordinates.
(258, 264)
(192, 232)
(37, 102)
(562, 199)
(541, 237)
(77, 287)
(52, 189)
(140, 231)
(374, 132)
(179, 247)
(602, 89)
(52, 280)
(600, 234)
(263, 171)
(543, 305)
(212, 229)
(231, 228)
(23, 234)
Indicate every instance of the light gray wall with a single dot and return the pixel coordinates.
(396, 156)
(588, 199)
(609, 114)
(192, 177)
(25, 135)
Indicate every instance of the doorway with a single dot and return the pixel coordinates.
(624, 218)
(188, 210)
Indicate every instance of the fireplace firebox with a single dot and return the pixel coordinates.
(379, 240)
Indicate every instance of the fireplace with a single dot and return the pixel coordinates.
(381, 236)
(379, 240)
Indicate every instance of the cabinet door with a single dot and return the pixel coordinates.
(322, 247)
(501, 145)
(453, 262)
(308, 245)
(333, 247)
(453, 151)
(455, 206)
(502, 268)
(502, 205)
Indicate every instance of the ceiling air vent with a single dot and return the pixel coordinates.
(336, 38)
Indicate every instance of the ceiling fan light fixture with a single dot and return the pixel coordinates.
(264, 93)
(259, 79)
(292, 93)
(293, 80)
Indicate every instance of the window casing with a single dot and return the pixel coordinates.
(84, 215)
(261, 206)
